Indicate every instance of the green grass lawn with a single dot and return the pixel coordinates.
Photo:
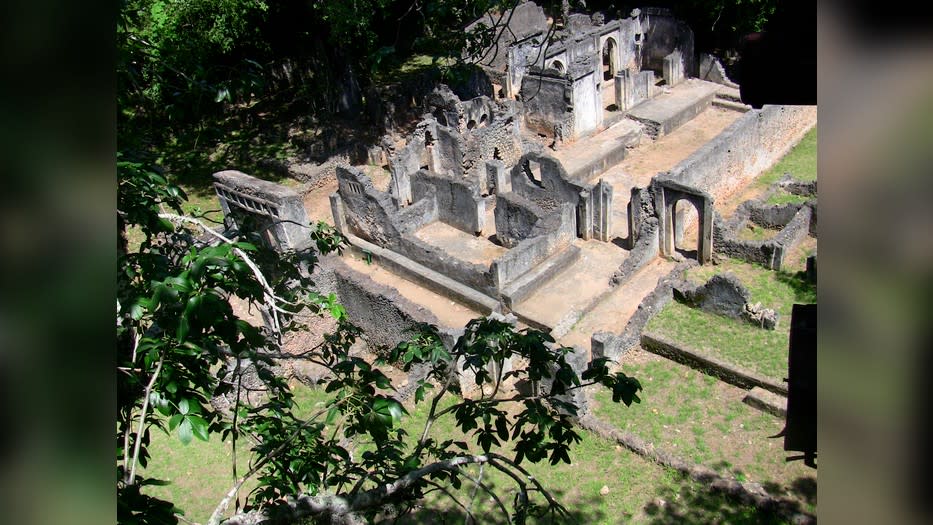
(738, 342)
(639, 491)
(800, 162)
(698, 418)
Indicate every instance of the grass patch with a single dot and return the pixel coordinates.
(784, 197)
(800, 162)
(698, 418)
(763, 351)
(201, 473)
(754, 232)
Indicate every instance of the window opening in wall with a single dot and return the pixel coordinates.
(559, 66)
(471, 124)
(483, 119)
(609, 62)
(496, 154)
(441, 117)
(428, 139)
(532, 170)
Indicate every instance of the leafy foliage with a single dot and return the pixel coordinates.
(180, 345)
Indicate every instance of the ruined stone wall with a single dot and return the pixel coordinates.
(274, 211)
(383, 314)
(372, 215)
(546, 97)
(556, 233)
(553, 188)
(448, 152)
(664, 35)
(516, 218)
(746, 148)
(525, 20)
(476, 276)
(458, 203)
(500, 139)
(769, 252)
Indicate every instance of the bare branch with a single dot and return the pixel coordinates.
(142, 420)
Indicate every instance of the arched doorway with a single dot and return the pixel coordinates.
(686, 219)
(668, 194)
(610, 66)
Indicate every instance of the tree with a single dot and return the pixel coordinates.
(180, 344)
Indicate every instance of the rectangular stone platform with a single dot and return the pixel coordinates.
(668, 111)
(590, 156)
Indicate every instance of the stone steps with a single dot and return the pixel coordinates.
(519, 289)
(424, 276)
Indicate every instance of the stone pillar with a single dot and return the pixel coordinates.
(705, 249)
(620, 90)
(336, 208)
(625, 90)
(497, 177)
(585, 215)
(673, 68)
(665, 212)
(401, 184)
(634, 216)
(603, 211)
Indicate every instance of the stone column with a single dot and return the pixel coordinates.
(498, 177)
(585, 215)
(336, 208)
(705, 250)
(603, 211)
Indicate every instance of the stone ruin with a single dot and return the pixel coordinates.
(493, 201)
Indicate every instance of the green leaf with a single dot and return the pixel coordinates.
(174, 421)
(183, 406)
(185, 432)
(199, 426)
(419, 394)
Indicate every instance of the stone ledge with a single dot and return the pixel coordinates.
(424, 276)
(766, 401)
(694, 358)
(516, 291)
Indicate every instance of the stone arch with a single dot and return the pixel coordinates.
(559, 67)
(610, 52)
(667, 195)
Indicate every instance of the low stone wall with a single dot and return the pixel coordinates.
(516, 218)
(768, 253)
(746, 148)
(607, 344)
(751, 493)
(533, 251)
(773, 216)
(476, 276)
(644, 251)
(732, 374)
(382, 314)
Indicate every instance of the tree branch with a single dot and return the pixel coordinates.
(142, 421)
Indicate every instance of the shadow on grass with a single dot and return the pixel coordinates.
(484, 509)
(804, 291)
(696, 504)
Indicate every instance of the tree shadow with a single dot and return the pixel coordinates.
(692, 503)
(804, 290)
(486, 511)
